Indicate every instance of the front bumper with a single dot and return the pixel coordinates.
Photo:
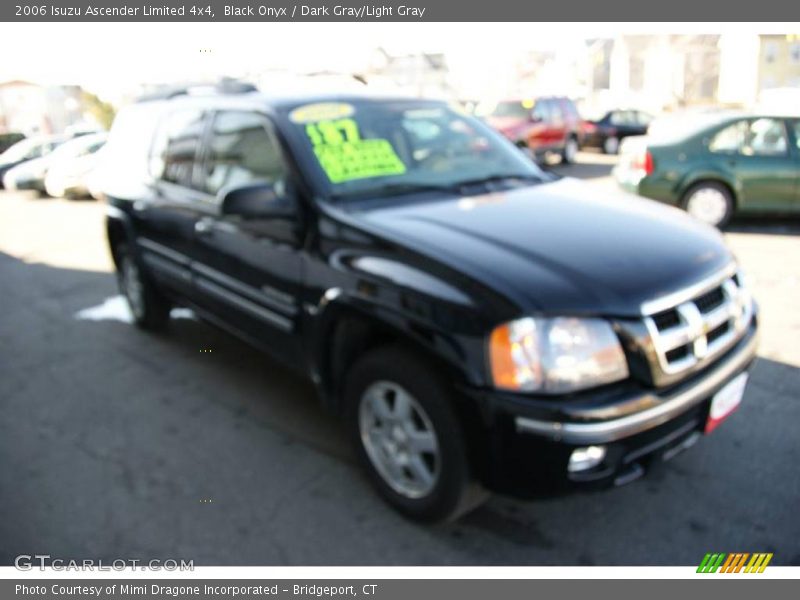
(530, 441)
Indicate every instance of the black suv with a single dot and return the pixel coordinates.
(478, 324)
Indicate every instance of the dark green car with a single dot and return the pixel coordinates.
(718, 165)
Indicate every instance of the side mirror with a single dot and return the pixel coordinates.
(258, 201)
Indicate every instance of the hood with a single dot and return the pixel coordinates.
(563, 247)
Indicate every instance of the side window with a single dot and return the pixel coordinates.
(730, 139)
(761, 137)
(174, 151)
(541, 110)
(618, 118)
(796, 129)
(766, 137)
(243, 150)
(556, 111)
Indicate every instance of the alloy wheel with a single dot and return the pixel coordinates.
(399, 439)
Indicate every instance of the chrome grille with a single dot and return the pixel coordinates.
(704, 321)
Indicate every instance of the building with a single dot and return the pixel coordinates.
(31, 108)
(668, 72)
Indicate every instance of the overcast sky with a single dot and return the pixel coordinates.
(108, 57)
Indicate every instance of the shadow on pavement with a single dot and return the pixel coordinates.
(117, 443)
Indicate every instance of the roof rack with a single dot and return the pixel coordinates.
(223, 86)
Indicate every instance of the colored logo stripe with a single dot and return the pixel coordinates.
(734, 562)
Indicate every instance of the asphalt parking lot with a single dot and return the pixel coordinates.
(115, 443)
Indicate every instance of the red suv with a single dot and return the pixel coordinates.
(542, 125)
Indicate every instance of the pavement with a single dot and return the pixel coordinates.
(115, 443)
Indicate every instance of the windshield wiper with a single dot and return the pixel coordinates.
(496, 178)
(398, 189)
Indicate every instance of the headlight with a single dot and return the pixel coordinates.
(555, 355)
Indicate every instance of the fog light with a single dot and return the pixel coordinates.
(583, 459)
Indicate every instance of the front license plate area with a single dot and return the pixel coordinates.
(725, 401)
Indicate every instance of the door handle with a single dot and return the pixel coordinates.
(204, 226)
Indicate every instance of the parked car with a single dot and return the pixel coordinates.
(9, 139)
(543, 125)
(71, 165)
(478, 324)
(25, 150)
(30, 174)
(717, 166)
(607, 132)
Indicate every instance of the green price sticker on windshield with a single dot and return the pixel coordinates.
(345, 156)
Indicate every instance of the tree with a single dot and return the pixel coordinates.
(103, 112)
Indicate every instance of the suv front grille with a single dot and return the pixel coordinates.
(699, 326)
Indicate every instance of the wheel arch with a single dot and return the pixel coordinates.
(710, 177)
(347, 332)
(119, 230)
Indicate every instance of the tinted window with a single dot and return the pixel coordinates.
(243, 150)
(176, 145)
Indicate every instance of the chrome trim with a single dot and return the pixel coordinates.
(167, 267)
(152, 246)
(668, 408)
(252, 308)
(736, 309)
(245, 290)
(673, 299)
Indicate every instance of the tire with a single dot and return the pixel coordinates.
(710, 202)
(570, 151)
(148, 306)
(611, 145)
(383, 378)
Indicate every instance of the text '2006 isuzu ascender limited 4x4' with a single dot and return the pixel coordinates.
(478, 324)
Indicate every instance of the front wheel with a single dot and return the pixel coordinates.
(408, 437)
(570, 152)
(149, 308)
(710, 202)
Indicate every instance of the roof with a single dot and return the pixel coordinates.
(249, 96)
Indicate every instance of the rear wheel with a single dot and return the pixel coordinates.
(611, 145)
(710, 202)
(408, 437)
(149, 308)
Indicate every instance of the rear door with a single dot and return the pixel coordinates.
(248, 270)
(757, 152)
(794, 130)
(166, 219)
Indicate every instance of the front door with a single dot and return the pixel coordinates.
(247, 271)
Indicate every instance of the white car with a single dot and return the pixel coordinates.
(68, 174)
(30, 175)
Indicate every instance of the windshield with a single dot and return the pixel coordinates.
(21, 150)
(517, 110)
(385, 148)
